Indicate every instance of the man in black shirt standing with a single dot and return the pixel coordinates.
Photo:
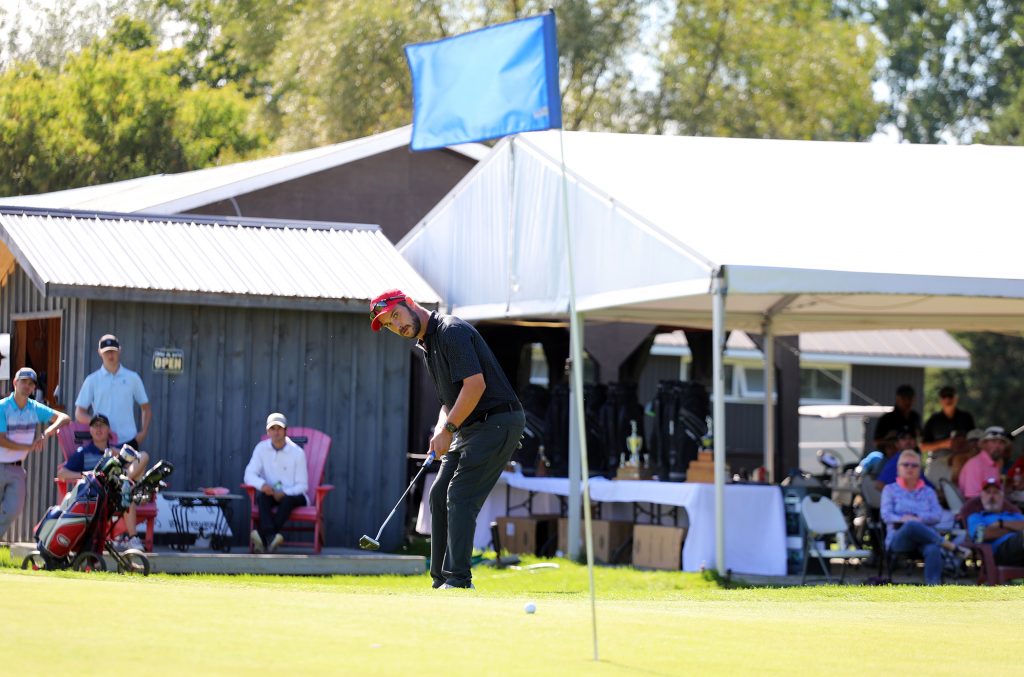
(478, 427)
(947, 423)
(901, 417)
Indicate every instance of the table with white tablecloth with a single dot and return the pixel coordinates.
(501, 496)
(755, 524)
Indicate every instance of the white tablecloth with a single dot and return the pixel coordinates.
(755, 521)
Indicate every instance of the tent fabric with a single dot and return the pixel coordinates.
(823, 236)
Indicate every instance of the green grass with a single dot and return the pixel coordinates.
(651, 623)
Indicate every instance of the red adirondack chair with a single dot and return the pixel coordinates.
(75, 435)
(308, 518)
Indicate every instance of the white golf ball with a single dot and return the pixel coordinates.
(530, 607)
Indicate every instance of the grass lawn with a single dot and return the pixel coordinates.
(650, 623)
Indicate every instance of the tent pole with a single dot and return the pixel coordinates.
(718, 291)
(576, 395)
(768, 341)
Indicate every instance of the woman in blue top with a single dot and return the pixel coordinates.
(910, 509)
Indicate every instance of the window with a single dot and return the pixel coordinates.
(824, 385)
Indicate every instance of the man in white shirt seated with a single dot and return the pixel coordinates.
(278, 471)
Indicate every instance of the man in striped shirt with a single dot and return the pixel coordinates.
(20, 416)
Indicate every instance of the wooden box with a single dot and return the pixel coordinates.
(658, 547)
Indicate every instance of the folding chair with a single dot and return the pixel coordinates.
(954, 499)
(823, 519)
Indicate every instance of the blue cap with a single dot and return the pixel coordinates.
(26, 372)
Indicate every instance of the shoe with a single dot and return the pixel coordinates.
(275, 542)
(449, 586)
(125, 543)
(256, 541)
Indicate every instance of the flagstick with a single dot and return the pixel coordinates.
(577, 387)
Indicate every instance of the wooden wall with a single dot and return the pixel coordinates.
(322, 370)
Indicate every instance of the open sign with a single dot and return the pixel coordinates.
(169, 360)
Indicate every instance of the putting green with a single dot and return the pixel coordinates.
(57, 622)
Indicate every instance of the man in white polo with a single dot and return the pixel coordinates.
(278, 471)
(113, 390)
(20, 416)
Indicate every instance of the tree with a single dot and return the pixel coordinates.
(950, 65)
(114, 113)
(784, 69)
(992, 389)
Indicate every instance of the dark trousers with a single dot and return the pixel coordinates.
(273, 513)
(1011, 551)
(468, 472)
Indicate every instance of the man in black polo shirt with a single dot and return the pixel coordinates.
(902, 417)
(479, 426)
(948, 423)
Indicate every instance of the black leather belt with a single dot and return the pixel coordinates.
(12, 463)
(478, 416)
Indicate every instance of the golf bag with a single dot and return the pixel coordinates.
(88, 513)
(681, 409)
(620, 407)
(556, 426)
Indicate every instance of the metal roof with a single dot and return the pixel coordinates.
(219, 261)
(890, 347)
(176, 193)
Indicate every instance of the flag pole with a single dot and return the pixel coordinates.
(576, 353)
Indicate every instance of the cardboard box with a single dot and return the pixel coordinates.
(526, 535)
(608, 535)
(658, 547)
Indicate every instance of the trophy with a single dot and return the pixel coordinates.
(633, 467)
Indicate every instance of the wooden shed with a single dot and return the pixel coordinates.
(267, 315)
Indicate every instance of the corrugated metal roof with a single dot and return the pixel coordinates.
(175, 193)
(203, 259)
(926, 347)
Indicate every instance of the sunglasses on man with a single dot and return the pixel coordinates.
(381, 305)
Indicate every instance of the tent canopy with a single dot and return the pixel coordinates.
(817, 235)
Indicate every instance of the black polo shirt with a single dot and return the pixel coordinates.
(896, 421)
(453, 350)
(941, 427)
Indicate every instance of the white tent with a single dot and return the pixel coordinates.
(820, 235)
(765, 236)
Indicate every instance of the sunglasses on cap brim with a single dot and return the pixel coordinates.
(379, 307)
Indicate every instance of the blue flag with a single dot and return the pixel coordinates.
(484, 84)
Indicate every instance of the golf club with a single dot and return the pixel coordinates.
(367, 543)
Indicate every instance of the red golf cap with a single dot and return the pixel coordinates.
(383, 304)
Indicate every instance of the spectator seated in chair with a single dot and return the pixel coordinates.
(905, 441)
(1000, 528)
(278, 471)
(995, 444)
(88, 456)
(910, 509)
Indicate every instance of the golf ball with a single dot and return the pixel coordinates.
(530, 607)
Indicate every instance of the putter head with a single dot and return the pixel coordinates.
(367, 543)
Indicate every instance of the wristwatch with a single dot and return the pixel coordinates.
(451, 427)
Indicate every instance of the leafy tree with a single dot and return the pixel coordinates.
(992, 389)
(1007, 125)
(339, 71)
(765, 68)
(950, 65)
(113, 113)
